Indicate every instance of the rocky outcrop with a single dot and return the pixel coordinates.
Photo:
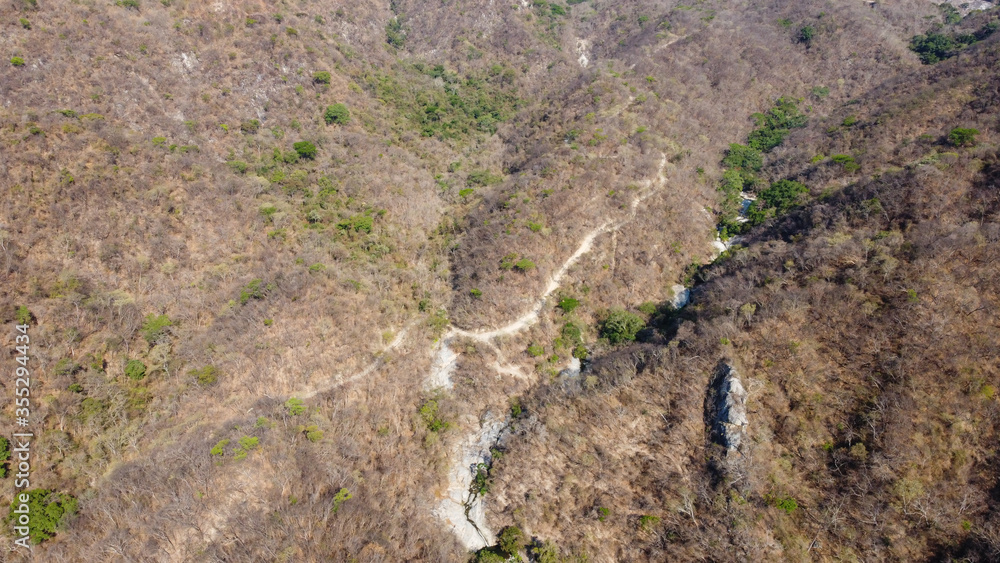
(730, 416)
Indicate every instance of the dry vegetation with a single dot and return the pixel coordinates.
(162, 206)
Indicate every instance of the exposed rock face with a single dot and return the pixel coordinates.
(730, 408)
(681, 296)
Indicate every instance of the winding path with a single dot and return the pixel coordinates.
(463, 511)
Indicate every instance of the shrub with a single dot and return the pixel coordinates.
(255, 289)
(476, 293)
(775, 125)
(295, 406)
(961, 137)
(25, 23)
(357, 223)
(154, 329)
(49, 512)
(646, 522)
(429, 414)
(17, 61)
(321, 77)
(483, 178)
(128, 4)
(743, 157)
(135, 370)
(395, 35)
(4, 456)
(535, 351)
(206, 375)
(23, 316)
(305, 149)
(337, 113)
(524, 265)
(511, 540)
(806, 35)
(246, 445)
(621, 326)
(250, 126)
(568, 304)
(933, 47)
(647, 308)
(342, 496)
(65, 366)
(849, 121)
(219, 448)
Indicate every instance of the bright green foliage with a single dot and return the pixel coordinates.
(507, 262)
(935, 47)
(395, 33)
(621, 326)
(295, 406)
(742, 157)
(49, 512)
(219, 449)
(847, 161)
(321, 77)
(483, 178)
(135, 370)
(23, 316)
(535, 351)
(546, 553)
(646, 522)
(4, 456)
(356, 223)
(568, 304)
(961, 137)
(786, 503)
(481, 481)
(849, 121)
(476, 293)
(429, 414)
(128, 4)
(342, 496)
(17, 61)
(806, 35)
(523, 265)
(511, 540)
(305, 149)
(254, 289)
(572, 334)
(777, 199)
(206, 375)
(25, 23)
(775, 125)
(602, 513)
(476, 103)
(154, 330)
(337, 113)
(246, 445)
(647, 308)
(250, 126)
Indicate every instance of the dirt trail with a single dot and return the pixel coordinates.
(461, 510)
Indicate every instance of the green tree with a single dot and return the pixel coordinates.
(337, 113)
(305, 149)
(321, 77)
(621, 326)
(47, 512)
(806, 35)
(154, 330)
(17, 61)
(511, 540)
(23, 316)
(135, 370)
(295, 406)
(961, 137)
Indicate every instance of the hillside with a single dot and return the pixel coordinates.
(401, 281)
